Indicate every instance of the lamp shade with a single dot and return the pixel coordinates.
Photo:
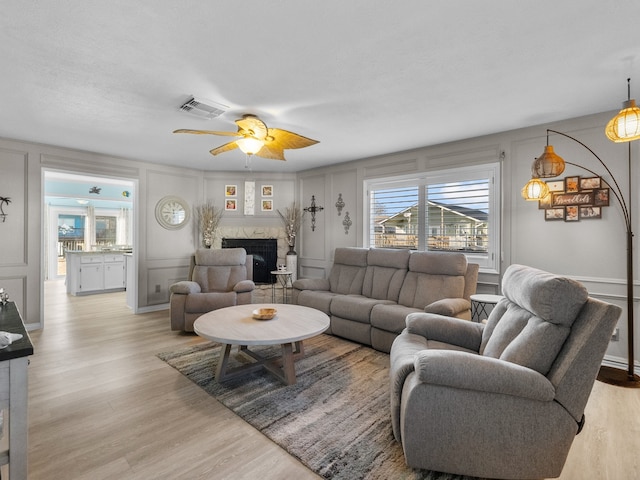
(548, 165)
(625, 126)
(250, 145)
(535, 189)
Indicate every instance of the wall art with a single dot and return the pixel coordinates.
(575, 198)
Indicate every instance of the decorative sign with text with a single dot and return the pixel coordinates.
(575, 198)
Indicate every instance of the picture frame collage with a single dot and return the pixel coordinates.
(231, 198)
(575, 198)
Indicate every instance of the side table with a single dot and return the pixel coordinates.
(14, 390)
(479, 304)
(283, 277)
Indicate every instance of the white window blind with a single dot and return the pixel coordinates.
(454, 210)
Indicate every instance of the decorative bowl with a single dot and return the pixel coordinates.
(264, 313)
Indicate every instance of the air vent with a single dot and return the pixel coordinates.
(203, 108)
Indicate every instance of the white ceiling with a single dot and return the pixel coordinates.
(364, 77)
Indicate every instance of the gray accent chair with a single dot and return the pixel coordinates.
(505, 399)
(218, 278)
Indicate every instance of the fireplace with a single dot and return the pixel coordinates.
(264, 251)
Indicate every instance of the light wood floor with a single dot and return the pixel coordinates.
(103, 406)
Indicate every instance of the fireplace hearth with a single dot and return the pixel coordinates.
(264, 251)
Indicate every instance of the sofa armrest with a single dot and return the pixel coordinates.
(311, 284)
(185, 287)
(451, 307)
(244, 286)
(440, 328)
(468, 371)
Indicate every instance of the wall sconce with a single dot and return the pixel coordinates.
(313, 209)
(346, 223)
(3, 201)
(340, 204)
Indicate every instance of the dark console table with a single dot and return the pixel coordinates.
(14, 391)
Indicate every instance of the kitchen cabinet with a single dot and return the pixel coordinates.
(95, 272)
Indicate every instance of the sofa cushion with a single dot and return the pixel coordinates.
(386, 269)
(354, 307)
(391, 318)
(205, 302)
(347, 272)
(318, 299)
(438, 263)
(218, 278)
(529, 326)
(433, 276)
(222, 256)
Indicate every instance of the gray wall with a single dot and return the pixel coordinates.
(592, 251)
(162, 255)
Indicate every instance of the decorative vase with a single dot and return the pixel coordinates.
(207, 239)
(292, 262)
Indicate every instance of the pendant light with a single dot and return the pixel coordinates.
(625, 126)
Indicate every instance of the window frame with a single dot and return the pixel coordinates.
(489, 262)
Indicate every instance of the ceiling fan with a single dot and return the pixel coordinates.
(257, 139)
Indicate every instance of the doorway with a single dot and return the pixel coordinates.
(87, 213)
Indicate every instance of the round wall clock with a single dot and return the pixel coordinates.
(172, 212)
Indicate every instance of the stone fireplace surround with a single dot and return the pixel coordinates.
(262, 293)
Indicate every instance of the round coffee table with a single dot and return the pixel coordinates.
(236, 326)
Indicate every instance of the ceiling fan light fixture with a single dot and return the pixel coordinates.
(250, 145)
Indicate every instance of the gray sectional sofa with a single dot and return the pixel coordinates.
(370, 291)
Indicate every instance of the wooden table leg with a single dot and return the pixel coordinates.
(223, 362)
(288, 367)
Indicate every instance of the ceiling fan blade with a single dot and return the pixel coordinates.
(224, 148)
(272, 152)
(208, 132)
(252, 125)
(285, 139)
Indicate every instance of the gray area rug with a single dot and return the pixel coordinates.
(335, 419)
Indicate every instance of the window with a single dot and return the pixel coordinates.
(454, 210)
(106, 230)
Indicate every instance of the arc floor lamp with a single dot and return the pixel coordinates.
(623, 128)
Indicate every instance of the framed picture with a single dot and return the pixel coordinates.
(571, 213)
(601, 197)
(556, 213)
(556, 186)
(590, 212)
(267, 190)
(230, 191)
(231, 204)
(589, 183)
(571, 184)
(545, 202)
(267, 205)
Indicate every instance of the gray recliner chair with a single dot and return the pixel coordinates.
(505, 399)
(219, 278)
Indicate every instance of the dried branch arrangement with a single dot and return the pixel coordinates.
(208, 219)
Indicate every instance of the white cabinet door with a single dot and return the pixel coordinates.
(91, 277)
(113, 275)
